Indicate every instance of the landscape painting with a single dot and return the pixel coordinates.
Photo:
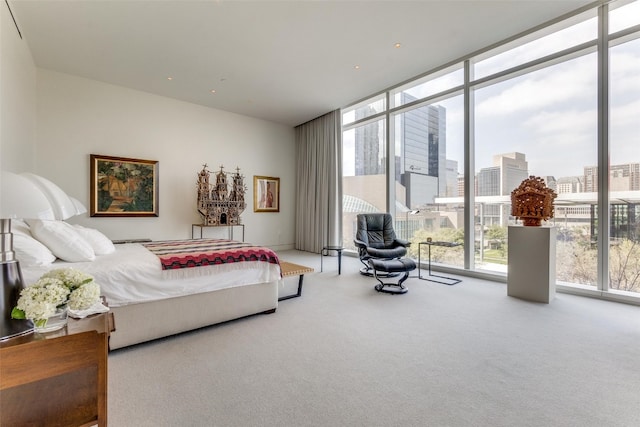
(123, 187)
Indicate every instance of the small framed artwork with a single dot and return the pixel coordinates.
(266, 194)
(123, 187)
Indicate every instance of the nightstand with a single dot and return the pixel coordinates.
(58, 378)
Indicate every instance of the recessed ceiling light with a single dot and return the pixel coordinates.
(357, 67)
(169, 78)
(212, 91)
(397, 45)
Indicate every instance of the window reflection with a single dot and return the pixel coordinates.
(428, 175)
(624, 172)
(363, 176)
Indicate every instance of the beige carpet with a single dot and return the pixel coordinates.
(345, 355)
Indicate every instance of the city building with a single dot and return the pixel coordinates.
(367, 148)
(623, 177)
(422, 157)
(570, 184)
(507, 172)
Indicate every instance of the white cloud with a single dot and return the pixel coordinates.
(624, 133)
(573, 81)
(626, 115)
(625, 70)
(624, 17)
(565, 122)
(539, 47)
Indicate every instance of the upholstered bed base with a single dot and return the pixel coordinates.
(142, 322)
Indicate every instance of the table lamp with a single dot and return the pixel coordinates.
(20, 198)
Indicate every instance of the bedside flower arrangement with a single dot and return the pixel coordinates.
(54, 293)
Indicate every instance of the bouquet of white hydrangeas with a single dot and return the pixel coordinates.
(56, 289)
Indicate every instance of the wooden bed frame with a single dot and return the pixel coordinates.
(137, 323)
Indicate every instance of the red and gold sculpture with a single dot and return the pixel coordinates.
(532, 201)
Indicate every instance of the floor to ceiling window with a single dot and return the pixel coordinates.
(429, 158)
(624, 169)
(533, 109)
(537, 119)
(364, 149)
(542, 123)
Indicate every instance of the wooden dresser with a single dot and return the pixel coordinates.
(59, 378)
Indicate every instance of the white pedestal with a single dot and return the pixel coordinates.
(532, 263)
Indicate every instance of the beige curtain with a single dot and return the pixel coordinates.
(319, 183)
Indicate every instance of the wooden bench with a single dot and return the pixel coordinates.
(289, 269)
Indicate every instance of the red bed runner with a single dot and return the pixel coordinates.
(175, 254)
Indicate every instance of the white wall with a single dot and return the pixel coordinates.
(17, 98)
(78, 117)
(51, 122)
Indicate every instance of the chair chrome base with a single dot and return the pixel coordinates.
(368, 271)
(397, 267)
(391, 288)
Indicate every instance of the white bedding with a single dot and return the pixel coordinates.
(134, 275)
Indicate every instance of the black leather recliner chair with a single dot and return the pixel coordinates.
(376, 238)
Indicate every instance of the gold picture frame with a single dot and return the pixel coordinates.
(266, 194)
(123, 187)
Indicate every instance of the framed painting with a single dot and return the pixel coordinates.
(266, 194)
(123, 187)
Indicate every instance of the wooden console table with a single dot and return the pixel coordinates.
(58, 378)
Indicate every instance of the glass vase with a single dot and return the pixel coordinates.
(53, 323)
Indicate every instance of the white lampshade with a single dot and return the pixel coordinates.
(80, 208)
(63, 206)
(21, 198)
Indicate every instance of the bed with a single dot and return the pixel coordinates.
(159, 289)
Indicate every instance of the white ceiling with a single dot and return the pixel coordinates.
(283, 61)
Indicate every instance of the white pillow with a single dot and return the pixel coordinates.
(100, 243)
(20, 227)
(62, 239)
(30, 252)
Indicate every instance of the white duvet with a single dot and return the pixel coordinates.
(134, 275)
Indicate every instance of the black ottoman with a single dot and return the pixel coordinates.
(402, 265)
